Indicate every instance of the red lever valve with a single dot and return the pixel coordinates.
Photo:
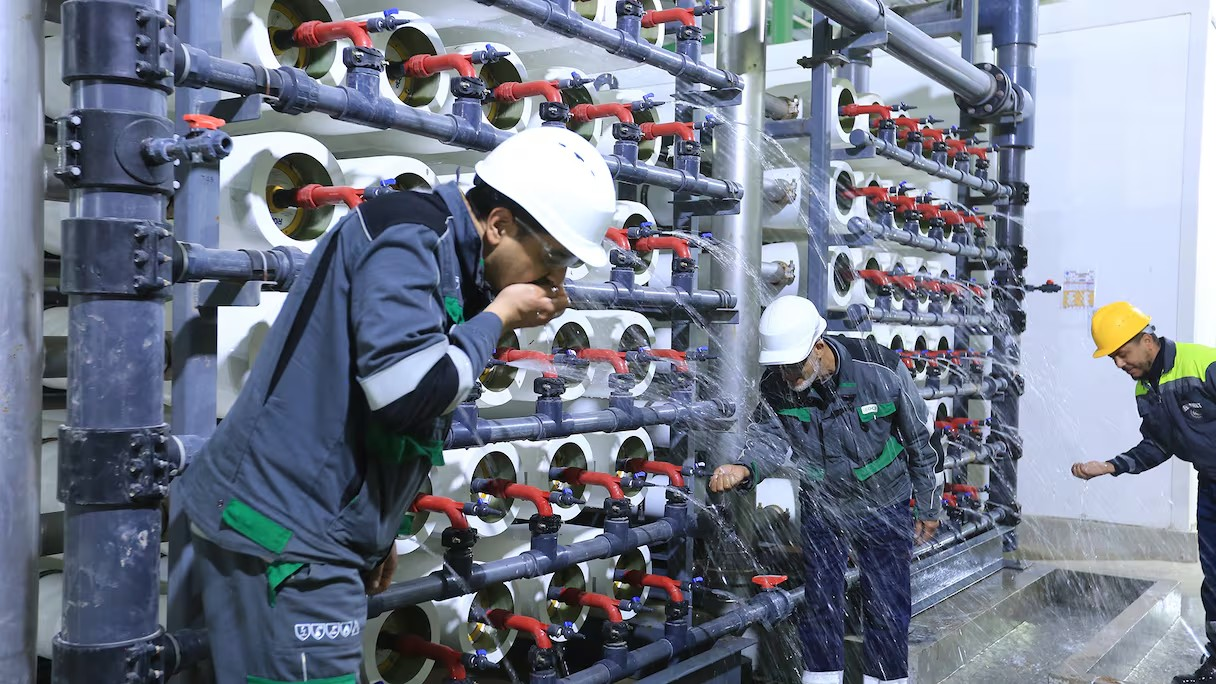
(769, 582)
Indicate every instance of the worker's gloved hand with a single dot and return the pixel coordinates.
(527, 305)
(1088, 471)
(727, 477)
(381, 576)
(925, 529)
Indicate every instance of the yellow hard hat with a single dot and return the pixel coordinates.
(1114, 325)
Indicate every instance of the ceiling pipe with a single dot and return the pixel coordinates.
(984, 91)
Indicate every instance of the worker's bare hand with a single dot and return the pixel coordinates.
(727, 477)
(527, 305)
(381, 576)
(1088, 471)
(925, 529)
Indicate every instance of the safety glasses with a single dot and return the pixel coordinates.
(555, 256)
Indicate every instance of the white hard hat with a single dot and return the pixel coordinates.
(561, 181)
(789, 328)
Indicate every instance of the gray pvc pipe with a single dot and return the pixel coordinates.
(912, 46)
(21, 176)
(881, 147)
(862, 312)
(550, 16)
(196, 68)
(649, 299)
(987, 387)
(442, 585)
(538, 427)
(863, 226)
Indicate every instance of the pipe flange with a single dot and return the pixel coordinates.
(470, 87)
(356, 57)
(544, 524)
(455, 539)
(554, 112)
(630, 132)
(132, 661)
(617, 508)
(690, 33)
(615, 632)
(688, 148)
(1007, 98)
(629, 8)
(114, 467)
(549, 387)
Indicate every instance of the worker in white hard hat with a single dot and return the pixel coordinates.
(858, 438)
(296, 502)
(1176, 400)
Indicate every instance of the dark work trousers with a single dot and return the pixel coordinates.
(881, 542)
(310, 628)
(1206, 522)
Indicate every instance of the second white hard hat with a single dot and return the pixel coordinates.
(789, 328)
(562, 181)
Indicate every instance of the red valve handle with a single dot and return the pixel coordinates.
(450, 658)
(683, 129)
(513, 91)
(974, 219)
(453, 509)
(641, 579)
(202, 121)
(950, 500)
(502, 619)
(963, 489)
(768, 582)
(314, 34)
(506, 489)
(587, 112)
(674, 473)
(616, 358)
(675, 244)
(929, 284)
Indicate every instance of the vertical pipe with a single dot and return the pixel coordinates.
(740, 43)
(820, 190)
(857, 71)
(20, 331)
(196, 220)
(1014, 27)
(112, 525)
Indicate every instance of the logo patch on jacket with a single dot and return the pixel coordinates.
(1193, 409)
(326, 630)
(868, 409)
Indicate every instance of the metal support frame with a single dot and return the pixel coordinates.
(21, 127)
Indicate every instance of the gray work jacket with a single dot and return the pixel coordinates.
(858, 441)
(359, 375)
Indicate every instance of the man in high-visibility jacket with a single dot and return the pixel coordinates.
(1176, 398)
